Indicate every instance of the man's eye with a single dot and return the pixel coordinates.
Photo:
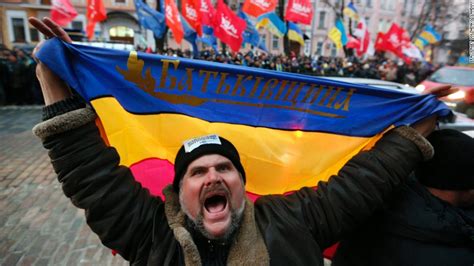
(197, 172)
(223, 168)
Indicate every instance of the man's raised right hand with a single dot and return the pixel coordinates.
(54, 89)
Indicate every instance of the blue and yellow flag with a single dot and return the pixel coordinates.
(291, 130)
(294, 33)
(337, 34)
(351, 11)
(273, 23)
(250, 34)
(427, 36)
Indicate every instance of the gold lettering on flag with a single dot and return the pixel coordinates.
(288, 93)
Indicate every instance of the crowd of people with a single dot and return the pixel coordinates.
(18, 83)
(375, 67)
(19, 86)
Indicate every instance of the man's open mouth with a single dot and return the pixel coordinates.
(215, 203)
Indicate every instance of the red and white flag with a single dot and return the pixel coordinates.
(62, 12)
(192, 13)
(173, 20)
(256, 8)
(95, 13)
(208, 12)
(397, 41)
(362, 33)
(228, 26)
(299, 11)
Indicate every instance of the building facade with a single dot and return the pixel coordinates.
(122, 25)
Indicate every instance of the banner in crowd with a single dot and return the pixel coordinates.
(251, 35)
(192, 14)
(95, 13)
(299, 11)
(338, 35)
(228, 26)
(150, 18)
(272, 23)
(62, 12)
(173, 20)
(190, 35)
(428, 36)
(291, 130)
(207, 12)
(363, 35)
(295, 34)
(397, 41)
(351, 11)
(208, 38)
(256, 8)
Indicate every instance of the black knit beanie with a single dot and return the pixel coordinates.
(197, 147)
(452, 167)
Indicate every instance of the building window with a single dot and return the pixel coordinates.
(17, 27)
(263, 39)
(369, 3)
(121, 34)
(307, 47)
(319, 48)
(333, 50)
(381, 25)
(122, 2)
(391, 5)
(77, 25)
(19, 34)
(121, 31)
(275, 42)
(322, 19)
(405, 5)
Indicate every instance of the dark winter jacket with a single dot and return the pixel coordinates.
(276, 230)
(417, 229)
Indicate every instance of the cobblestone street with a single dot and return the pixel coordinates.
(38, 224)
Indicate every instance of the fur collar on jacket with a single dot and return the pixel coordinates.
(248, 247)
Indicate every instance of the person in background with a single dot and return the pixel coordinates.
(430, 221)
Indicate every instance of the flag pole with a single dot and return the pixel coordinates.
(312, 31)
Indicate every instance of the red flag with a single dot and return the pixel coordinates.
(256, 8)
(396, 39)
(62, 12)
(380, 43)
(173, 20)
(352, 43)
(192, 14)
(228, 26)
(300, 11)
(207, 12)
(95, 13)
(395, 36)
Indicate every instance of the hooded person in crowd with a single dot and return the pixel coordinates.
(206, 218)
(431, 219)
